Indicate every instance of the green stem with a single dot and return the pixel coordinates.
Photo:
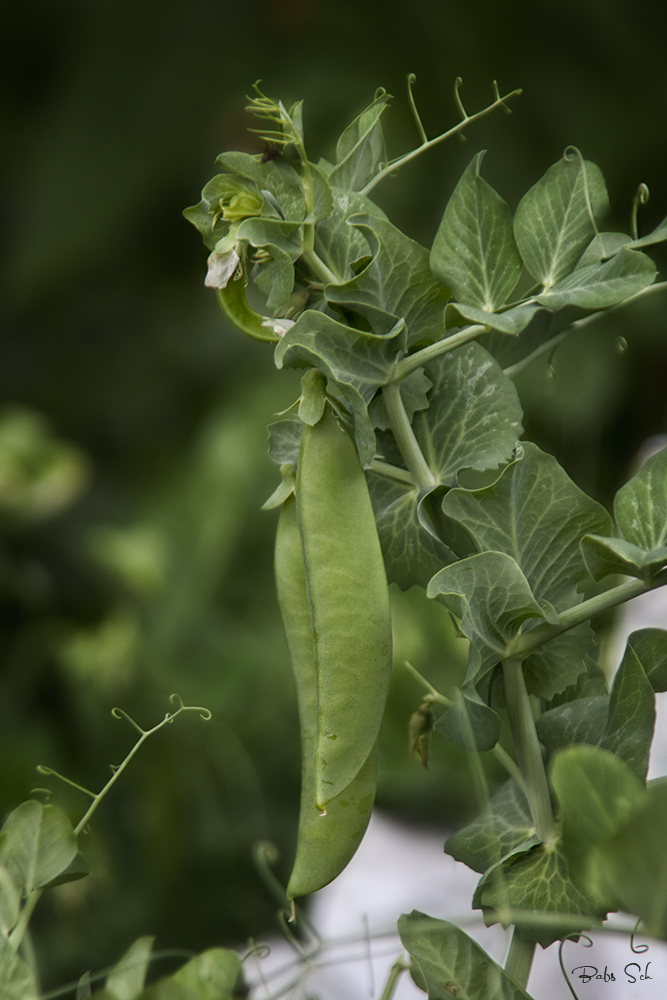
(318, 267)
(549, 345)
(410, 364)
(527, 642)
(519, 959)
(527, 749)
(428, 144)
(19, 930)
(396, 971)
(391, 471)
(405, 438)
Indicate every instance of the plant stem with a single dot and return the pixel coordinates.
(410, 364)
(527, 642)
(405, 438)
(396, 971)
(528, 751)
(391, 471)
(428, 144)
(519, 959)
(318, 267)
(16, 936)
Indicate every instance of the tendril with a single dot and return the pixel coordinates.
(640, 949)
(575, 938)
(43, 769)
(265, 854)
(641, 198)
(412, 79)
(574, 151)
(458, 83)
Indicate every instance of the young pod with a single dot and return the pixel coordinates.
(326, 842)
(349, 603)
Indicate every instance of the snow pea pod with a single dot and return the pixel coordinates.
(349, 603)
(326, 842)
(233, 302)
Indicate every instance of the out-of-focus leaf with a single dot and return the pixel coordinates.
(37, 844)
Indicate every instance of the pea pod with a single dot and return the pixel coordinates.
(326, 842)
(349, 603)
(235, 306)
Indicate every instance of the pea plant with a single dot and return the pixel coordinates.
(401, 463)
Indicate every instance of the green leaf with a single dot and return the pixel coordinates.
(285, 441)
(414, 395)
(278, 177)
(412, 550)
(602, 247)
(502, 826)
(634, 862)
(396, 284)
(537, 881)
(338, 244)
(582, 720)
(649, 645)
(601, 285)
(470, 722)
(640, 506)
(509, 350)
(76, 869)
(597, 793)
(126, 979)
(287, 236)
(536, 514)
(37, 844)
(10, 902)
(445, 962)
(17, 980)
(553, 223)
(474, 251)
(212, 975)
(512, 321)
(275, 276)
(631, 721)
(474, 417)
(322, 195)
(609, 556)
(491, 597)
(657, 236)
(360, 149)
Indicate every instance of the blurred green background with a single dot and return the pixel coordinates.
(135, 560)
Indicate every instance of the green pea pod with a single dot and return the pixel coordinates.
(326, 842)
(235, 306)
(349, 603)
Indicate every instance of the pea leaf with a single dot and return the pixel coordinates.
(397, 281)
(608, 556)
(657, 236)
(37, 843)
(360, 149)
(640, 507)
(634, 862)
(601, 285)
(490, 596)
(339, 244)
(649, 645)
(629, 729)
(412, 550)
(474, 416)
(602, 247)
(444, 961)
(470, 722)
(276, 176)
(582, 720)
(10, 902)
(503, 825)
(553, 223)
(17, 980)
(275, 276)
(597, 793)
(212, 975)
(537, 881)
(285, 440)
(126, 979)
(287, 236)
(512, 321)
(536, 514)
(474, 250)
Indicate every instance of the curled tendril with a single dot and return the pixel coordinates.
(46, 792)
(204, 713)
(119, 713)
(265, 854)
(43, 769)
(412, 79)
(458, 83)
(640, 949)
(571, 937)
(641, 198)
(256, 949)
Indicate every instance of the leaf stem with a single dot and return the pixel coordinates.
(396, 971)
(528, 751)
(16, 936)
(318, 267)
(407, 365)
(549, 345)
(405, 438)
(391, 471)
(519, 959)
(429, 143)
(527, 642)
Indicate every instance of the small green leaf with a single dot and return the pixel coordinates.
(474, 250)
(470, 722)
(553, 223)
(322, 195)
(502, 826)
(10, 902)
(126, 979)
(629, 729)
(608, 556)
(278, 177)
(474, 417)
(601, 285)
(657, 236)
(285, 441)
(360, 149)
(17, 980)
(84, 990)
(274, 275)
(491, 597)
(582, 720)
(37, 844)
(212, 975)
(445, 962)
(634, 862)
(640, 506)
(338, 244)
(649, 645)
(512, 321)
(602, 247)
